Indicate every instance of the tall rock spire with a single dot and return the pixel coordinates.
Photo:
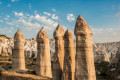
(85, 69)
(69, 59)
(59, 52)
(18, 61)
(43, 62)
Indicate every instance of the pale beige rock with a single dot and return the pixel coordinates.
(43, 62)
(69, 58)
(59, 53)
(9, 51)
(18, 60)
(85, 69)
(28, 54)
(106, 58)
(4, 52)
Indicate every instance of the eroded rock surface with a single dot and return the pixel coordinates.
(85, 69)
(69, 58)
(30, 48)
(18, 60)
(59, 53)
(43, 62)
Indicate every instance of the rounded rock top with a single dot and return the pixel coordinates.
(68, 33)
(81, 27)
(59, 32)
(42, 35)
(18, 36)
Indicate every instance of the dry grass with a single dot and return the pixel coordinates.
(7, 75)
(6, 63)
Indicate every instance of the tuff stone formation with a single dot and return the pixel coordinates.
(43, 62)
(30, 45)
(69, 58)
(59, 53)
(101, 56)
(18, 60)
(85, 69)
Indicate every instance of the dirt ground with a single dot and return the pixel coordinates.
(6, 74)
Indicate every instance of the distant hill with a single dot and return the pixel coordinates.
(30, 46)
(109, 47)
(4, 36)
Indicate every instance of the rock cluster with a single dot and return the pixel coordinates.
(109, 47)
(30, 48)
(71, 60)
(6, 46)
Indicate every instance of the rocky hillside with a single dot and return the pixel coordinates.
(30, 46)
(110, 47)
(102, 51)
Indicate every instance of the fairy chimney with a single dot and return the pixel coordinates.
(85, 69)
(69, 58)
(59, 53)
(18, 60)
(43, 62)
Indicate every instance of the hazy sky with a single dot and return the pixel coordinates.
(103, 17)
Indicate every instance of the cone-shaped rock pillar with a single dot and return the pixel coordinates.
(18, 60)
(69, 58)
(85, 69)
(59, 53)
(43, 62)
